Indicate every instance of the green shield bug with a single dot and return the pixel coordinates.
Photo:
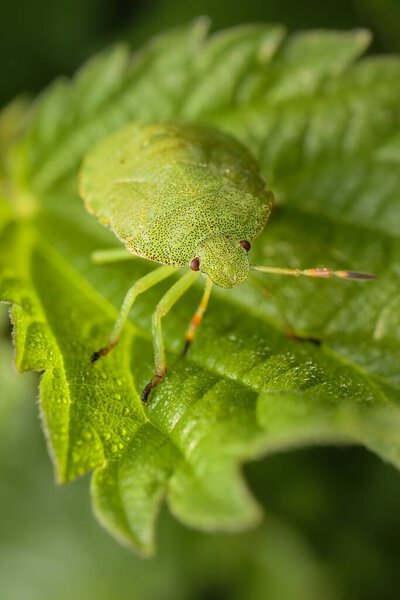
(185, 196)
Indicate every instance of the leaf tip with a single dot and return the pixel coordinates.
(364, 38)
(202, 25)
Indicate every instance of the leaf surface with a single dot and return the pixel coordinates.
(326, 129)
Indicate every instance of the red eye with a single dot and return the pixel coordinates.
(195, 264)
(245, 244)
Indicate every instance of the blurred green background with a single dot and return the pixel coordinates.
(332, 527)
(46, 38)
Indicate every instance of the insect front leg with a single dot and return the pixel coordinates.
(289, 330)
(197, 317)
(163, 307)
(318, 272)
(142, 285)
(111, 255)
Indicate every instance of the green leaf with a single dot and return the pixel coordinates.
(326, 131)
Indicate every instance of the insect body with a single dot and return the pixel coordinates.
(183, 195)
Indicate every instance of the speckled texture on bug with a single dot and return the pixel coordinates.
(164, 187)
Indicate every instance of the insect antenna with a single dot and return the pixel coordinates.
(318, 272)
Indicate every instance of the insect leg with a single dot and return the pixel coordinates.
(141, 285)
(289, 330)
(318, 272)
(163, 307)
(198, 316)
(110, 255)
